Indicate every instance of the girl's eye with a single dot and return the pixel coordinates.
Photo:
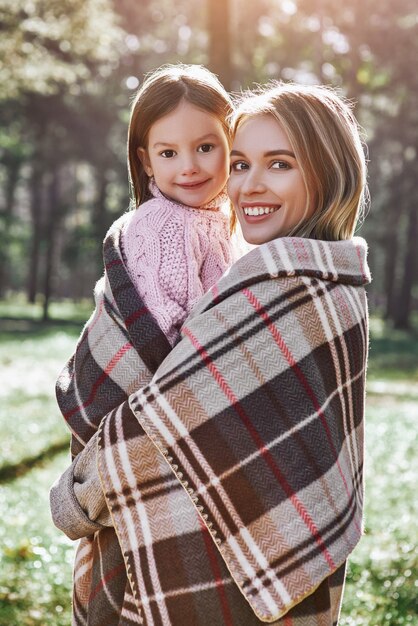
(206, 147)
(167, 154)
(239, 166)
(280, 165)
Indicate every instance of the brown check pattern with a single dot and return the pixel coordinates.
(119, 350)
(234, 478)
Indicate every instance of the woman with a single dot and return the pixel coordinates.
(234, 480)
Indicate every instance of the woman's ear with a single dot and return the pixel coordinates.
(144, 158)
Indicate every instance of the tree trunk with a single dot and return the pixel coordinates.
(36, 237)
(100, 222)
(402, 310)
(219, 40)
(391, 257)
(13, 169)
(51, 229)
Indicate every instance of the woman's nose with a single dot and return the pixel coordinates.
(252, 182)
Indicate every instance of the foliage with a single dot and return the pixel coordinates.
(64, 106)
(54, 43)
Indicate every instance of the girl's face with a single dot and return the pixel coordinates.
(188, 155)
(266, 185)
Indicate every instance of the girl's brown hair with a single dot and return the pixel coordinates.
(161, 92)
(324, 135)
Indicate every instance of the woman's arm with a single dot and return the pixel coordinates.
(78, 505)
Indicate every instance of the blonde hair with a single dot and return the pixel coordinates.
(161, 92)
(324, 135)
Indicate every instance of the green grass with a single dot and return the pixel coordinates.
(36, 559)
(383, 568)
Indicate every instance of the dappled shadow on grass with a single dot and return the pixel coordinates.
(11, 471)
(22, 319)
(36, 329)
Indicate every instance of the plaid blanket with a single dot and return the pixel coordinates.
(118, 352)
(237, 472)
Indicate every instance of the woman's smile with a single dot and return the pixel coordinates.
(256, 212)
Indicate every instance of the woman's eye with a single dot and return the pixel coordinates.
(167, 154)
(280, 165)
(206, 147)
(239, 166)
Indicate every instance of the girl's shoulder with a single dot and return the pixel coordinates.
(154, 217)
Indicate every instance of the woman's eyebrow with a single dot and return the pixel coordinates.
(270, 153)
(280, 151)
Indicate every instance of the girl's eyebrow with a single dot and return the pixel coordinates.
(198, 140)
(270, 153)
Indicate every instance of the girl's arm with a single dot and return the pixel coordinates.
(154, 251)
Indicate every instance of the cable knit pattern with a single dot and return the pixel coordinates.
(174, 254)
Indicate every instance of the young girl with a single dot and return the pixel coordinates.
(160, 259)
(164, 255)
(234, 480)
(176, 243)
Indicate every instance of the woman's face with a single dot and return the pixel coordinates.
(266, 185)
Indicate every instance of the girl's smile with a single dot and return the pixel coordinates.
(266, 185)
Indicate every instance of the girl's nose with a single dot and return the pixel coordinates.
(189, 165)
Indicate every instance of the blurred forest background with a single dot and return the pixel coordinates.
(68, 72)
(69, 69)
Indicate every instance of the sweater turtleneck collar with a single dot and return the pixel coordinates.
(214, 205)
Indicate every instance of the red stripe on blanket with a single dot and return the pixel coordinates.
(290, 359)
(217, 574)
(112, 263)
(363, 273)
(109, 367)
(215, 294)
(109, 576)
(139, 313)
(233, 400)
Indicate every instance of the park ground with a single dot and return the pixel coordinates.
(36, 559)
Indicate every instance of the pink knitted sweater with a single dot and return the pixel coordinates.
(174, 254)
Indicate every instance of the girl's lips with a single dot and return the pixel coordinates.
(192, 186)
